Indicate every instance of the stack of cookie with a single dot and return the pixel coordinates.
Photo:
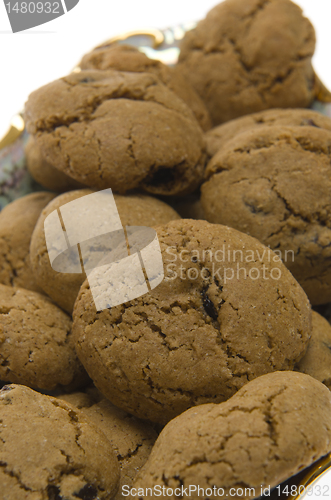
(225, 358)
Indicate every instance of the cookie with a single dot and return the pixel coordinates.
(214, 323)
(274, 183)
(128, 58)
(141, 210)
(79, 399)
(317, 360)
(46, 175)
(63, 288)
(131, 439)
(110, 129)
(250, 55)
(218, 136)
(271, 429)
(49, 449)
(36, 346)
(17, 221)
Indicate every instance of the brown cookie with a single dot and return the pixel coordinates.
(250, 55)
(63, 288)
(36, 346)
(47, 176)
(79, 399)
(131, 438)
(226, 312)
(17, 222)
(49, 449)
(128, 58)
(218, 136)
(271, 429)
(274, 183)
(110, 129)
(142, 210)
(317, 360)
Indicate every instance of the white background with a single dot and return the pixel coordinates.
(35, 57)
(42, 54)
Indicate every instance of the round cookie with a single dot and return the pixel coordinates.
(218, 136)
(275, 185)
(110, 129)
(250, 55)
(49, 449)
(213, 324)
(36, 345)
(63, 288)
(47, 176)
(17, 221)
(128, 58)
(271, 429)
(317, 360)
(131, 439)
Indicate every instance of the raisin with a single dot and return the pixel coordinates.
(88, 492)
(209, 306)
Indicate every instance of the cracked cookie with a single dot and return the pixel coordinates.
(47, 176)
(264, 434)
(63, 288)
(218, 136)
(111, 129)
(131, 439)
(17, 221)
(250, 55)
(226, 312)
(128, 58)
(275, 185)
(36, 345)
(317, 360)
(50, 450)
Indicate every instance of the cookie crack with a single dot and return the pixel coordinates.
(15, 475)
(260, 6)
(73, 417)
(156, 389)
(130, 146)
(313, 148)
(129, 454)
(97, 150)
(291, 210)
(86, 114)
(5, 256)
